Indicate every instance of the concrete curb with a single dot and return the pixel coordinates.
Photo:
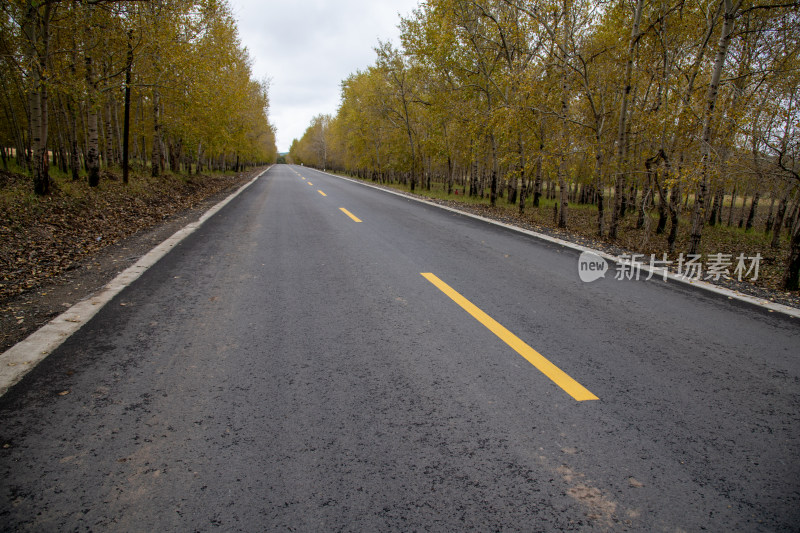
(26, 354)
(657, 272)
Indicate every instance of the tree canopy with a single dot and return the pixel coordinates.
(168, 81)
(629, 105)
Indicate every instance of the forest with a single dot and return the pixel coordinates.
(98, 86)
(668, 127)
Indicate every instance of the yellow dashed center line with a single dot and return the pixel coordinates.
(310, 183)
(322, 193)
(348, 213)
(558, 376)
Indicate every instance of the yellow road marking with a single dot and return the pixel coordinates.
(558, 376)
(322, 193)
(302, 177)
(348, 213)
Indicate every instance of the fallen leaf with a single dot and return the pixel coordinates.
(635, 483)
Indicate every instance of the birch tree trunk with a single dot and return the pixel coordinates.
(565, 139)
(753, 208)
(779, 217)
(126, 118)
(493, 183)
(93, 136)
(155, 162)
(619, 185)
(537, 171)
(598, 180)
(74, 154)
(36, 30)
(698, 216)
(791, 277)
(523, 189)
(109, 132)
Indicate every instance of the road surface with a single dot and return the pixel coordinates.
(323, 356)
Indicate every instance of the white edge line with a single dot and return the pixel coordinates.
(791, 311)
(26, 354)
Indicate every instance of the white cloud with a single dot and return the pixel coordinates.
(308, 47)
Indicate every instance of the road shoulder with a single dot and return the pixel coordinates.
(773, 301)
(50, 310)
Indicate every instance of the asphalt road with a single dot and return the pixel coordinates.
(289, 368)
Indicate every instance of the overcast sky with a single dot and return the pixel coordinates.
(307, 47)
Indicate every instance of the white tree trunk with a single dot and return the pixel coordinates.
(698, 216)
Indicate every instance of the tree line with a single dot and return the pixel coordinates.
(671, 110)
(159, 84)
